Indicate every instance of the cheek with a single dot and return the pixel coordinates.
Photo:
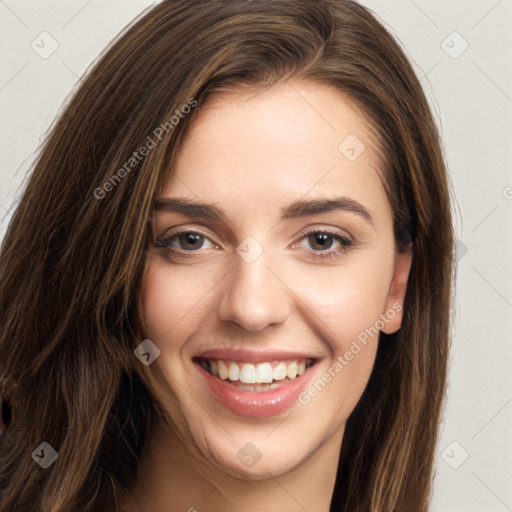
(171, 300)
(347, 299)
(349, 303)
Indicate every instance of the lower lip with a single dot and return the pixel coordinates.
(256, 403)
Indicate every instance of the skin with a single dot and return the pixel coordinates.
(251, 155)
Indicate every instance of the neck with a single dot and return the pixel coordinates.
(171, 479)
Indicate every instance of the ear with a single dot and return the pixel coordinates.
(397, 289)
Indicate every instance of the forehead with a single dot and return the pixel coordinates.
(248, 149)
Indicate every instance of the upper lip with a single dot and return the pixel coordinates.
(247, 355)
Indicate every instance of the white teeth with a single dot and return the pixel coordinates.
(223, 370)
(248, 374)
(291, 371)
(234, 371)
(264, 373)
(280, 371)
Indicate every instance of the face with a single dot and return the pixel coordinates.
(267, 302)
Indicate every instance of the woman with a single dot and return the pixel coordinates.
(228, 282)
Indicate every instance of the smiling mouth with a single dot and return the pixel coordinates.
(264, 376)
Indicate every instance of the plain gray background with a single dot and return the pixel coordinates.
(462, 50)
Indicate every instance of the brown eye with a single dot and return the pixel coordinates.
(184, 241)
(190, 241)
(321, 244)
(321, 241)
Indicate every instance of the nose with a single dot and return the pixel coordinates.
(254, 296)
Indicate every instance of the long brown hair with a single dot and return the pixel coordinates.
(73, 256)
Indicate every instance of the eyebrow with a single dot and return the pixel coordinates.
(299, 208)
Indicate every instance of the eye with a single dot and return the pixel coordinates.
(184, 241)
(322, 240)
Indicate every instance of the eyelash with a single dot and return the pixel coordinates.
(346, 243)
